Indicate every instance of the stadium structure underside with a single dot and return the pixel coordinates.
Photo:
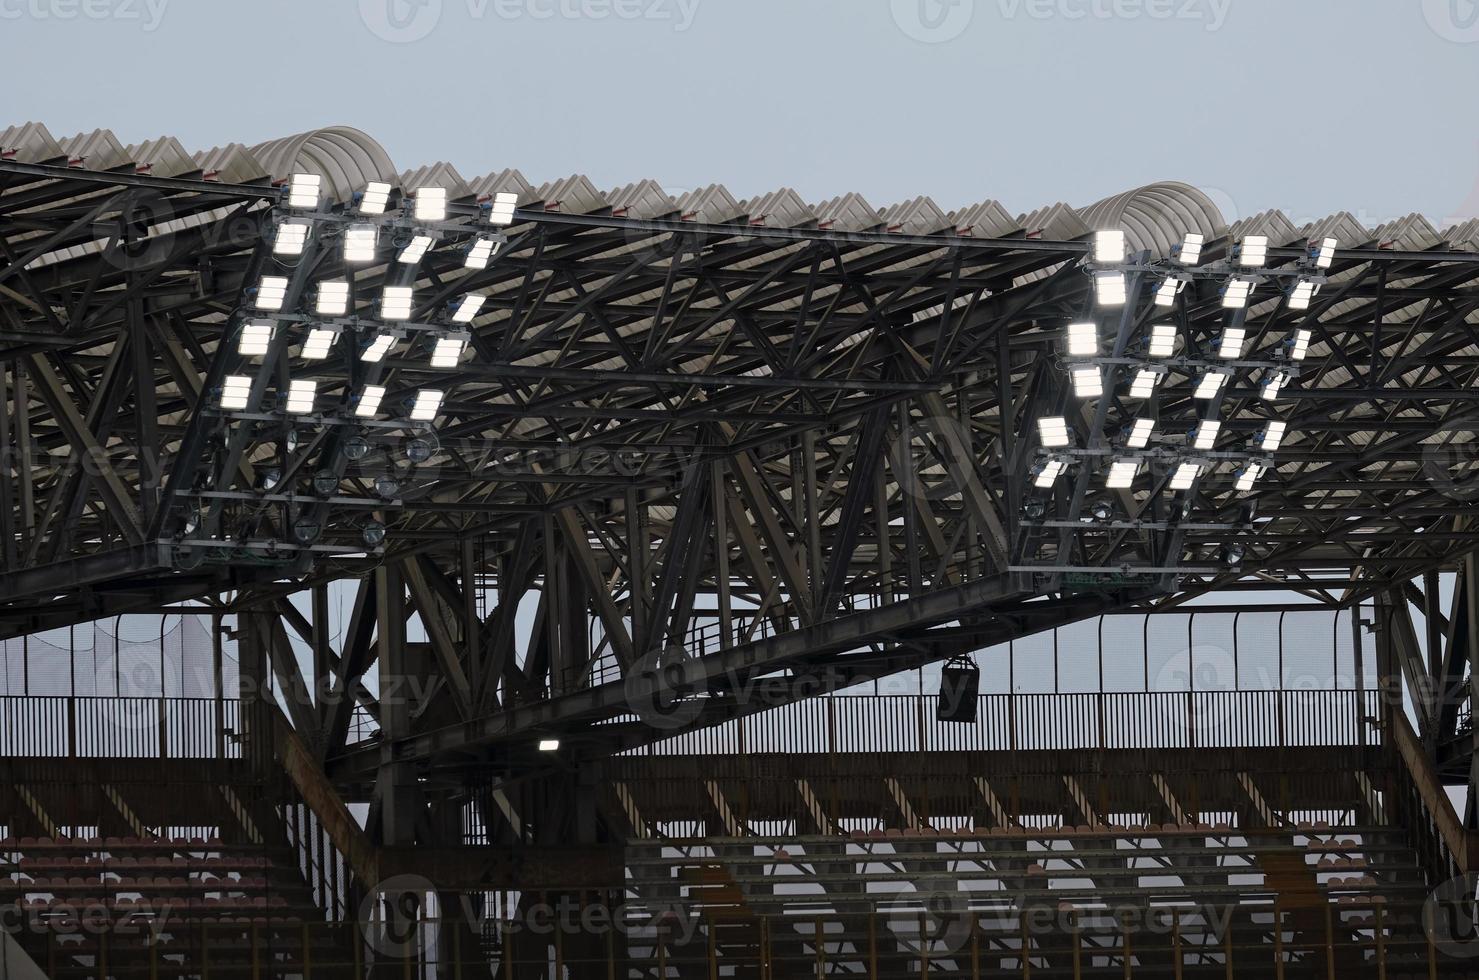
(692, 459)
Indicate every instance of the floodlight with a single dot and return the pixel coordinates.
(1248, 475)
(1122, 473)
(373, 534)
(1231, 344)
(369, 401)
(1253, 252)
(1140, 433)
(1052, 431)
(376, 350)
(1110, 288)
(300, 395)
(1083, 339)
(414, 250)
(428, 400)
(1109, 246)
(1168, 290)
(303, 190)
(272, 291)
(1210, 384)
(1324, 253)
(291, 235)
(326, 483)
(468, 308)
(1235, 294)
(1162, 340)
(501, 213)
(1088, 382)
(1273, 436)
(255, 338)
(236, 390)
(395, 303)
(319, 341)
(359, 243)
(333, 298)
(1189, 252)
(375, 198)
(1273, 384)
(1046, 473)
(549, 745)
(1299, 344)
(1186, 474)
(1206, 434)
(482, 250)
(1145, 381)
(448, 351)
(1303, 292)
(431, 204)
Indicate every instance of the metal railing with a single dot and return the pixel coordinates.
(120, 728)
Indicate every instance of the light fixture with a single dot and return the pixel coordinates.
(1083, 339)
(1140, 433)
(1304, 291)
(316, 346)
(1109, 246)
(255, 338)
(1299, 344)
(1253, 251)
(386, 487)
(468, 308)
(1088, 382)
(431, 204)
(356, 447)
(1231, 344)
(414, 249)
(1162, 340)
(501, 212)
(1206, 434)
(325, 483)
(378, 347)
(1273, 384)
(290, 238)
(1168, 290)
(306, 530)
(373, 534)
(424, 409)
(236, 389)
(359, 243)
(1248, 476)
(481, 252)
(1101, 511)
(1324, 253)
(1052, 431)
(1186, 474)
(418, 451)
(272, 291)
(1189, 252)
(1145, 381)
(375, 198)
(1233, 554)
(1110, 288)
(1235, 294)
(448, 351)
(1046, 473)
(269, 479)
(395, 303)
(1122, 473)
(549, 745)
(1272, 436)
(303, 190)
(301, 392)
(333, 298)
(369, 401)
(1210, 384)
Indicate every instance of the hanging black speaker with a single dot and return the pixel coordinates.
(960, 682)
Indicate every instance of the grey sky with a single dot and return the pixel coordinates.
(1308, 105)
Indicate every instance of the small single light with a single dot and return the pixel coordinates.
(1144, 384)
(256, 338)
(1047, 472)
(1109, 246)
(428, 401)
(1034, 509)
(1122, 473)
(501, 213)
(1325, 253)
(1253, 252)
(481, 252)
(1233, 554)
(1303, 292)
(395, 303)
(1186, 474)
(359, 243)
(301, 393)
(1110, 288)
(268, 479)
(1299, 344)
(325, 483)
(386, 487)
(549, 745)
(447, 351)
(373, 534)
(369, 401)
(375, 199)
(1101, 511)
(1088, 382)
(271, 292)
(236, 390)
(291, 237)
(1235, 294)
(467, 309)
(418, 451)
(1210, 384)
(318, 343)
(306, 530)
(1083, 339)
(356, 447)
(1231, 344)
(431, 204)
(1273, 436)
(1206, 434)
(1052, 431)
(414, 249)
(1162, 340)
(333, 298)
(1140, 434)
(303, 190)
(1190, 251)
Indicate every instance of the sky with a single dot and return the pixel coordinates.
(1311, 106)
